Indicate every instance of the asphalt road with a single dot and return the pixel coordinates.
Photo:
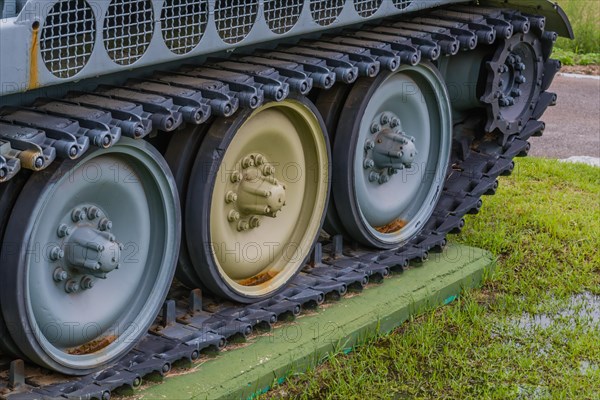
(573, 125)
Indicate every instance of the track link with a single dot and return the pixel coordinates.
(191, 322)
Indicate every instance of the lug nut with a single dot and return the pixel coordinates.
(93, 213)
(77, 215)
(236, 176)
(375, 128)
(105, 225)
(268, 170)
(87, 283)
(384, 179)
(254, 222)
(71, 286)
(243, 226)
(369, 144)
(395, 122)
(233, 216)
(373, 176)
(516, 93)
(385, 119)
(259, 159)
(520, 67)
(56, 253)
(231, 197)
(60, 275)
(369, 163)
(63, 230)
(247, 162)
(520, 79)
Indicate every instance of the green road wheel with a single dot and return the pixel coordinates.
(256, 199)
(95, 244)
(390, 155)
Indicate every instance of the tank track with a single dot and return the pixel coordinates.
(191, 322)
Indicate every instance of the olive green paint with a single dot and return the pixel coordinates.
(242, 372)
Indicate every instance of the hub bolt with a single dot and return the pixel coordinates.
(87, 282)
(60, 275)
(369, 145)
(233, 216)
(63, 230)
(105, 225)
(71, 286)
(384, 179)
(231, 197)
(516, 93)
(520, 79)
(369, 163)
(236, 176)
(56, 253)
(385, 119)
(375, 128)
(520, 67)
(77, 215)
(93, 213)
(395, 122)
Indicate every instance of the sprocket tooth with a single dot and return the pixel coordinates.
(551, 68)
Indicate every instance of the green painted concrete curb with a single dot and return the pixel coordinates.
(243, 372)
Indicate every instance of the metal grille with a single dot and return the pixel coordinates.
(282, 15)
(128, 29)
(366, 8)
(402, 4)
(183, 23)
(67, 38)
(326, 12)
(235, 18)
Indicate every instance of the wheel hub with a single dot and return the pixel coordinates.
(389, 149)
(254, 193)
(87, 251)
(512, 77)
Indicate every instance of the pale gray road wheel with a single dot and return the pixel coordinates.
(256, 205)
(390, 155)
(94, 244)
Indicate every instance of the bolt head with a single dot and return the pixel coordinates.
(254, 222)
(268, 170)
(243, 226)
(93, 213)
(87, 283)
(105, 225)
(56, 253)
(60, 275)
(375, 128)
(236, 176)
(373, 176)
(384, 179)
(520, 79)
(231, 197)
(369, 144)
(77, 215)
(233, 216)
(247, 162)
(63, 231)
(385, 119)
(71, 286)
(395, 122)
(259, 159)
(369, 163)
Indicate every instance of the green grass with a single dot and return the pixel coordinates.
(544, 227)
(585, 18)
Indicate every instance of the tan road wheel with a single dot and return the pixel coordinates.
(255, 206)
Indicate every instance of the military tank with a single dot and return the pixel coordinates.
(246, 157)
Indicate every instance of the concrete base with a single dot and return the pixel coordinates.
(293, 347)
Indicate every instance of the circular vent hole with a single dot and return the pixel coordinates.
(326, 12)
(366, 8)
(183, 22)
(67, 38)
(128, 30)
(402, 4)
(282, 15)
(235, 18)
